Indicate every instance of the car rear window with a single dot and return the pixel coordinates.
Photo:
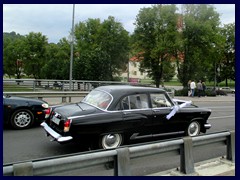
(97, 98)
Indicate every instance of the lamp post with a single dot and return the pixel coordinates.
(215, 76)
(218, 75)
(71, 58)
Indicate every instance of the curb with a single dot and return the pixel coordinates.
(213, 167)
(207, 99)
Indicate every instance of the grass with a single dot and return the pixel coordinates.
(16, 88)
(177, 83)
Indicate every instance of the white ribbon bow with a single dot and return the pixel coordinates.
(177, 107)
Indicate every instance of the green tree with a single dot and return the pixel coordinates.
(227, 61)
(114, 41)
(155, 36)
(58, 60)
(199, 33)
(102, 49)
(86, 43)
(13, 54)
(35, 54)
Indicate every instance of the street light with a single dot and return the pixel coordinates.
(71, 58)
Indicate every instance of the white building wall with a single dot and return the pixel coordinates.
(134, 71)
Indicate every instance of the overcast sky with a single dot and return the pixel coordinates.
(55, 20)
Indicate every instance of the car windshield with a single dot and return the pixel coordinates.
(100, 99)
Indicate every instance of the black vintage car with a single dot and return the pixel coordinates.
(22, 113)
(114, 115)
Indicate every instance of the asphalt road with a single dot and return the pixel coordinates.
(25, 145)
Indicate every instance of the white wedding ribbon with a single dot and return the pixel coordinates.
(177, 107)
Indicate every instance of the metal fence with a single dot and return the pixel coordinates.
(44, 88)
(64, 97)
(37, 85)
(62, 85)
(121, 158)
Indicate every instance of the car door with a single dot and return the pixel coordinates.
(137, 114)
(161, 107)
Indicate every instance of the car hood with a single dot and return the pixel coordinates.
(76, 109)
(29, 100)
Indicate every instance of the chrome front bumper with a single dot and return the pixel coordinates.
(59, 138)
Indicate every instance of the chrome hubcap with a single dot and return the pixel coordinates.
(22, 119)
(193, 129)
(111, 141)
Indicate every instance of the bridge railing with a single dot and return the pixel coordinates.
(64, 96)
(120, 159)
(64, 85)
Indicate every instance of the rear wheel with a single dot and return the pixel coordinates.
(22, 119)
(193, 129)
(111, 141)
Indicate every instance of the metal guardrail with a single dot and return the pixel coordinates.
(83, 85)
(63, 85)
(121, 157)
(51, 94)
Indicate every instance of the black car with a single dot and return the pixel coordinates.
(113, 115)
(23, 113)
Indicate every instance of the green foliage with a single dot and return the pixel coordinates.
(199, 42)
(103, 49)
(58, 60)
(227, 61)
(193, 40)
(35, 54)
(181, 92)
(155, 36)
(13, 49)
(184, 92)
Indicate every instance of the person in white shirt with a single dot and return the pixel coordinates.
(193, 86)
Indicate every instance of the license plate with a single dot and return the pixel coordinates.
(55, 120)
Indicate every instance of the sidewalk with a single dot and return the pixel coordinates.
(228, 98)
(212, 167)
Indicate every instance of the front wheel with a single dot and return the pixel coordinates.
(111, 141)
(193, 129)
(22, 119)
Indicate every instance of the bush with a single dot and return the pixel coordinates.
(210, 93)
(220, 92)
(184, 92)
(181, 92)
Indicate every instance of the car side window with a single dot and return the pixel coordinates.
(137, 101)
(160, 100)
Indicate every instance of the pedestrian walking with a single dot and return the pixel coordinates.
(204, 88)
(192, 86)
(189, 88)
(199, 88)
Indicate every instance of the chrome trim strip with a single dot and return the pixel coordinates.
(128, 110)
(207, 126)
(54, 134)
(135, 135)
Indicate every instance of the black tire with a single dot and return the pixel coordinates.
(111, 141)
(193, 129)
(22, 119)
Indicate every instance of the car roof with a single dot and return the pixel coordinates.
(120, 91)
(125, 89)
